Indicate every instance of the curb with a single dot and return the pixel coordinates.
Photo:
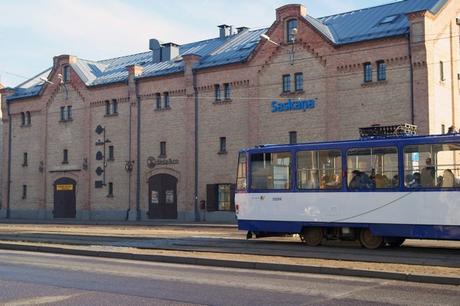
(444, 280)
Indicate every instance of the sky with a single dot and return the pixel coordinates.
(32, 32)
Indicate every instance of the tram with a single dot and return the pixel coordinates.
(379, 190)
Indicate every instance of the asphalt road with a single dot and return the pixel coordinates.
(48, 279)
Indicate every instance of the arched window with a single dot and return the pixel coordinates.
(28, 119)
(23, 118)
(290, 26)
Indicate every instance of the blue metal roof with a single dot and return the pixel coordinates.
(368, 23)
(350, 27)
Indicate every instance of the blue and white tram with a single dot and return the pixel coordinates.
(379, 191)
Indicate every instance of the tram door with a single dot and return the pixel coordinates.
(64, 198)
(162, 197)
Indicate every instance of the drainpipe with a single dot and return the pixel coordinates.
(195, 90)
(129, 159)
(411, 80)
(9, 162)
(138, 154)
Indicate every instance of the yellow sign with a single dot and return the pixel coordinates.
(65, 187)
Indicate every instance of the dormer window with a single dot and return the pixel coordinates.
(291, 28)
(66, 73)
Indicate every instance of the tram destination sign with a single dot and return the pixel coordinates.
(293, 105)
(152, 162)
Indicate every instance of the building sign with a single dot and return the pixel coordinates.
(169, 196)
(152, 162)
(293, 105)
(64, 187)
(154, 197)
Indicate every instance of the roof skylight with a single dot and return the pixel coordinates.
(389, 19)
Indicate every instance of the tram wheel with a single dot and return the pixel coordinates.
(396, 242)
(312, 236)
(369, 241)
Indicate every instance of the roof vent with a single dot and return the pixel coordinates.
(241, 29)
(224, 30)
(155, 46)
(163, 52)
(389, 19)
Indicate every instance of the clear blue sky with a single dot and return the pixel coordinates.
(33, 32)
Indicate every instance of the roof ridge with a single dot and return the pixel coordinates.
(363, 9)
(118, 57)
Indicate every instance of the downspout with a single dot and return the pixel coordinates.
(411, 80)
(9, 162)
(138, 154)
(195, 90)
(128, 164)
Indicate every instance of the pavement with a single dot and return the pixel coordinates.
(222, 245)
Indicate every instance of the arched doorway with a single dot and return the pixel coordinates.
(162, 197)
(64, 198)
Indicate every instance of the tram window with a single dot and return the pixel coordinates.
(372, 168)
(241, 173)
(271, 171)
(319, 169)
(432, 166)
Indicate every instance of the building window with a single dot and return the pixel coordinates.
(24, 160)
(23, 119)
(65, 156)
(114, 106)
(28, 119)
(290, 32)
(24, 191)
(158, 100)
(293, 137)
(298, 81)
(111, 108)
(286, 83)
(367, 72)
(107, 107)
(217, 92)
(220, 197)
(66, 73)
(66, 113)
(223, 197)
(62, 113)
(166, 99)
(227, 91)
(223, 145)
(111, 153)
(69, 112)
(163, 149)
(110, 190)
(441, 71)
(381, 71)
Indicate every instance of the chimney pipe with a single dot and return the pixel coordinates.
(224, 30)
(241, 29)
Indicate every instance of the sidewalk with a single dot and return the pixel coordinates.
(224, 246)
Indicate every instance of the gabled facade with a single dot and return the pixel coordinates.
(152, 135)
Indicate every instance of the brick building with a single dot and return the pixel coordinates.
(153, 134)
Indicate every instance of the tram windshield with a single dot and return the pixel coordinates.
(241, 176)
